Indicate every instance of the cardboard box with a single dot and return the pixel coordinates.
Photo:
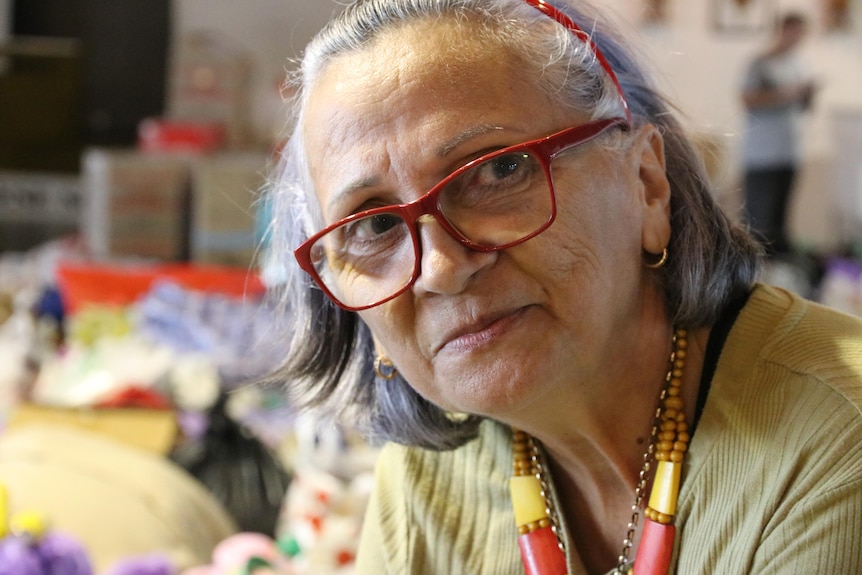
(225, 188)
(136, 204)
(154, 430)
(209, 82)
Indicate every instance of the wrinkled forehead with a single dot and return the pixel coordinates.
(407, 47)
(428, 63)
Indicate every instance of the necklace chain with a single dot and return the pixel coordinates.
(648, 457)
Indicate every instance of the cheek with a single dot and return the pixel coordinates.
(393, 326)
(594, 239)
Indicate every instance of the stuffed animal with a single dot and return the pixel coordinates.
(27, 547)
(246, 554)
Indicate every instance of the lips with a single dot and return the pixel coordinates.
(475, 333)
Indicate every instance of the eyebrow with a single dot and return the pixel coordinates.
(468, 134)
(442, 150)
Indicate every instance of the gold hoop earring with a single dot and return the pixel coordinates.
(660, 263)
(384, 368)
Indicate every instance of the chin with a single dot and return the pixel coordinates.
(490, 391)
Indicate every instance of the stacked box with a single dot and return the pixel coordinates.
(136, 205)
(225, 188)
(209, 82)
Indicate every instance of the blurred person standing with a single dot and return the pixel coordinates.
(777, 90)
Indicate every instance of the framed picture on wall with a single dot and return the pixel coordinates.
(743, 15)
(655, 12)
(837, 15)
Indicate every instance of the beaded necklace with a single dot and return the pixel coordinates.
(542, 551)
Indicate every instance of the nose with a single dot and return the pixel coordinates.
(446, 265)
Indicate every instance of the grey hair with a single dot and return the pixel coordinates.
(329, 362)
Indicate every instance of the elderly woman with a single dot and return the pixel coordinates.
(516, 276)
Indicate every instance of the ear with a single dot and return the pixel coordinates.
(655, 189)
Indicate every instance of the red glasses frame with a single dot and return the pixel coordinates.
(544, 149)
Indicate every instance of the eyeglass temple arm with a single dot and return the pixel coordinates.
(564, 20)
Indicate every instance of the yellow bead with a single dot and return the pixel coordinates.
(663, 518)
(673, 403)
(665, 487)
(527, 499)
(677, 456)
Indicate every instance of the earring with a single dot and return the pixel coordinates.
(660, 263)
(384, 368)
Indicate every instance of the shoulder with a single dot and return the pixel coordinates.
(787, 393)
(781, 330)
(448, 511)
(777, 454)
(414, 464)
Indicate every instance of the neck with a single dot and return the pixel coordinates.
(595, 465)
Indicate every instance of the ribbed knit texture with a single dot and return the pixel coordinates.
(772, 484)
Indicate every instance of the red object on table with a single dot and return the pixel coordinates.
(120, 285)
(165, 135)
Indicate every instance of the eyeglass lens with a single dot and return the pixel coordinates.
(494, 203)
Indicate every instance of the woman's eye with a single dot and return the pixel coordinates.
(370, 227)
(504, 166)
(382, 223)
(499, 169)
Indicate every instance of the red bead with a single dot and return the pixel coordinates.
(541, 553)
(655, 549)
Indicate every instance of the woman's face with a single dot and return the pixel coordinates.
(487, 333)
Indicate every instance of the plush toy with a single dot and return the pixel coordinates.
(325, 503)
(28, 547)
(246, 554)
(150, 564)
(53, 553)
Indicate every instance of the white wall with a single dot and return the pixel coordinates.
(701, 69)
(697, 66)
(272, 32)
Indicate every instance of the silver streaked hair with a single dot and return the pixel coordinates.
(330, 350)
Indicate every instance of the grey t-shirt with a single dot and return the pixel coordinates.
(772, 132)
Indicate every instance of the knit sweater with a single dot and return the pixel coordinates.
(772, 481)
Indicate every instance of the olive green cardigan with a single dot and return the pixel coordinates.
(772, 482)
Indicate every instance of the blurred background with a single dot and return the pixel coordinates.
(134, 138)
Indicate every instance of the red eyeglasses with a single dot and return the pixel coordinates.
(492, 203)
